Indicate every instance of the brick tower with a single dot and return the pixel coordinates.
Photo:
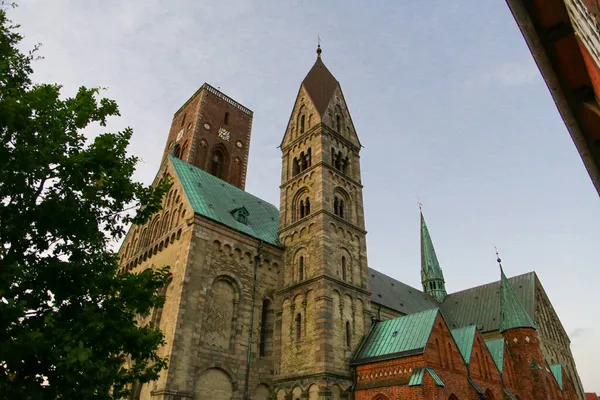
(519, 332)
(324, 292)
(212, 132)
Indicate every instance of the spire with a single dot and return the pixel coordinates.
(512, 312)
(432, 277)
(320, 84)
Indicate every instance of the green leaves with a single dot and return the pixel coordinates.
(68, 322)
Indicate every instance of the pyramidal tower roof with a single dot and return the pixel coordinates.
(432, 276)
(512, 313)
(320, 84)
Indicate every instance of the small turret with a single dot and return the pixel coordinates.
(432, 277)
(512, 313)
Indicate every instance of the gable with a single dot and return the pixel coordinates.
(496, 349)
(464, 340)
(480, 305)
(217, 200)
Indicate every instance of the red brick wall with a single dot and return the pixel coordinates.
(199, 120)
(390, 378)
(592, 68)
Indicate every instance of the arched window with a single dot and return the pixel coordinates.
(307, 206)
(301, 269)
(309, 157)
(184, 149)
(345, 165)
(450, 358)
(295, 167)
(183, 119)
(216, 164)
(341, 208)
(265, 329)
(332, 156)
(302, 124)
(343, 268)
(298, 327)
(440, 350)
(338, 123)
(177, 150)
(301, 208)
(303, 161)
(348, 335)
(336, 206)
(226, 118)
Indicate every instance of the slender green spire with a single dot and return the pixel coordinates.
(432, 277)
(512, 313)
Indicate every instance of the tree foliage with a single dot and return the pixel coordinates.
(67, 320)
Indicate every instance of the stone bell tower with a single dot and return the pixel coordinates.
(323, 293)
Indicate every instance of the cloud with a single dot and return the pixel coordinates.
(579, 333)
(509, 74)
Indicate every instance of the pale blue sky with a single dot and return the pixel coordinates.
(445, 97)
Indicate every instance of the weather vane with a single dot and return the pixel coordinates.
(420, 204)
(318, 40)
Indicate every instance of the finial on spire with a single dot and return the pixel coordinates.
(319, 45)
(420, 204)
(498, 259)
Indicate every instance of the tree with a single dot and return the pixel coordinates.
(67, 319)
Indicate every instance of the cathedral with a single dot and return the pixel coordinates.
(280, 303)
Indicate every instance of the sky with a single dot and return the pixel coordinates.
(445, 97)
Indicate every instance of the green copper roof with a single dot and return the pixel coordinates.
(557, 372)
(496, 348)
(480, 305)
(416, 379)
(464, 340)
(512, 312)
(216, 199)
(396, 338)
(509, 394)
(430, 267)
(476, 386)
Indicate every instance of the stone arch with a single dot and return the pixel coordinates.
(345, 265)
(220, 312)
(336, 392)
(300, 266)
(261, 392)
(343, 194)
(213, 384)
(313, 392)
(281, 394)
(298, 203)
(297, 393)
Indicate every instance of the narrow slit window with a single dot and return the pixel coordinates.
(298, 327)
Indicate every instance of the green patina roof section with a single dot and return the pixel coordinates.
(464, 338)
(398, 337)
(496, 348)
(214, 198)
(557, 372)
(475, 386)
(480, 305)
(430, 266)
(416, 379)
(512, 312)
(509, 394)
